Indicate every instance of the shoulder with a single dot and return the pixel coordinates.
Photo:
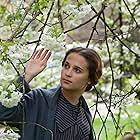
(85, 107)
(42, 93)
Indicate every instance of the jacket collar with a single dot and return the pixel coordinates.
(64, 113)
(52, 98)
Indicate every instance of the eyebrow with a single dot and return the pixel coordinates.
(75, 66)
(79, 68)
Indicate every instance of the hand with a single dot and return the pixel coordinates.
(36, 64)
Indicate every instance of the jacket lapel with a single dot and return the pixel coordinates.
(63, 118)
(52, 103)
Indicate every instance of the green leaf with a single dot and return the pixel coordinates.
(18, 15)
(6, 44)
(15, 129)
(44, 3)
(10, 19)
(36, 7)
(2, 9)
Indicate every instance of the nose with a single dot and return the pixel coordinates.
(68, 72)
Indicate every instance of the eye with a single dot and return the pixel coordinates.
(77, 70)
(66, 65)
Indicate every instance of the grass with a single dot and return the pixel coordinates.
(129, 121)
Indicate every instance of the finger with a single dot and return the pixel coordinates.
(34, 54)
(46, 58)
(38, 55)
(44, 54)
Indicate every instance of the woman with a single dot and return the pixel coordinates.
(60, 113)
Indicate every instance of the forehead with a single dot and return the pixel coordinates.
(77, 60)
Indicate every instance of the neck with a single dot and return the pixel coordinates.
(71, 96)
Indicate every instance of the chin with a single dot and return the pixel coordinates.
(66, 87)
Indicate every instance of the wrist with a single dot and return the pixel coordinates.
(27, 77)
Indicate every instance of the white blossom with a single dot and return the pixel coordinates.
(6, 74)
(61, 40)
(77, 13)
(130, 99)
(49, 40)
(12, 87)
(13, 100)
(10, 99)
(9, 135)
(71, 9)
(1, 88)
(84, 10)
(5, 32)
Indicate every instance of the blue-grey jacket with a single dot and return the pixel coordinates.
(37, 111)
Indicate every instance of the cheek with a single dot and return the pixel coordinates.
(81, 79)
(80, 83)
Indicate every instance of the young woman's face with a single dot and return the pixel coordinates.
(74, 73)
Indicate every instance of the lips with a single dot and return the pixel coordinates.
(67, 81)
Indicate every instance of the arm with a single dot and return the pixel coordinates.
(34, 66)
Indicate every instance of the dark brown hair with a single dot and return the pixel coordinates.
(94, 63)
(128, 136)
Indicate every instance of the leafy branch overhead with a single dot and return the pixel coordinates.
(110, 27)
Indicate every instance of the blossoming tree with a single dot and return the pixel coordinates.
(110, 27)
